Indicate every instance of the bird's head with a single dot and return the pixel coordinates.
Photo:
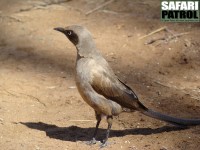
(75, 33)
(81, 38)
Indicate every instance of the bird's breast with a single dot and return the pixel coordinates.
(83, 77)
(84, 74)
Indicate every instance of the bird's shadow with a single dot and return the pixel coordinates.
(74, 133)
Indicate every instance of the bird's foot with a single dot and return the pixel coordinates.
(106, 144)
(92, 142)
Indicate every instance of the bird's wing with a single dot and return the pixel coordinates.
(105, 83)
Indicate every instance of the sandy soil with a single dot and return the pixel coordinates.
(40, 107)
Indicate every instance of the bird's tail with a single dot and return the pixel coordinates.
(132, 102)
(170, 119)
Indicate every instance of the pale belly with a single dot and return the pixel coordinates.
(98, 102)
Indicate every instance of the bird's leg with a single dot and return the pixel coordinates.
(109, 120)
(93, 141)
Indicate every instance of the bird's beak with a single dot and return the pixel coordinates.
(60, 29)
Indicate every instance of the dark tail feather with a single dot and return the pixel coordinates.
(170, 119)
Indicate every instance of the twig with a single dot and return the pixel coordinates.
(110, 12)
(81, 120)
(12, 94)
(168, 86)
(12, 18)
(99, 7)
(162, 84)
(158, 30)
(33, 97)
(169, 31)
(44, 5)
(166, 38)
(176, 35)
(154, 40)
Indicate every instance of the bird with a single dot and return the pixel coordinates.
(101, 89)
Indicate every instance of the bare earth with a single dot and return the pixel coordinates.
(40, 107)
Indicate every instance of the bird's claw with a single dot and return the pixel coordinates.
(92, 142)
(106, 143)
(102, 145)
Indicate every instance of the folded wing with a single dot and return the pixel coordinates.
(105, 83)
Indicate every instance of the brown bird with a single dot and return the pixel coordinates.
(100, 87)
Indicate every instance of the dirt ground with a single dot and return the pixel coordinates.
(40, 107)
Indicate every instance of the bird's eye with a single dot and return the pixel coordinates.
(69, 32)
